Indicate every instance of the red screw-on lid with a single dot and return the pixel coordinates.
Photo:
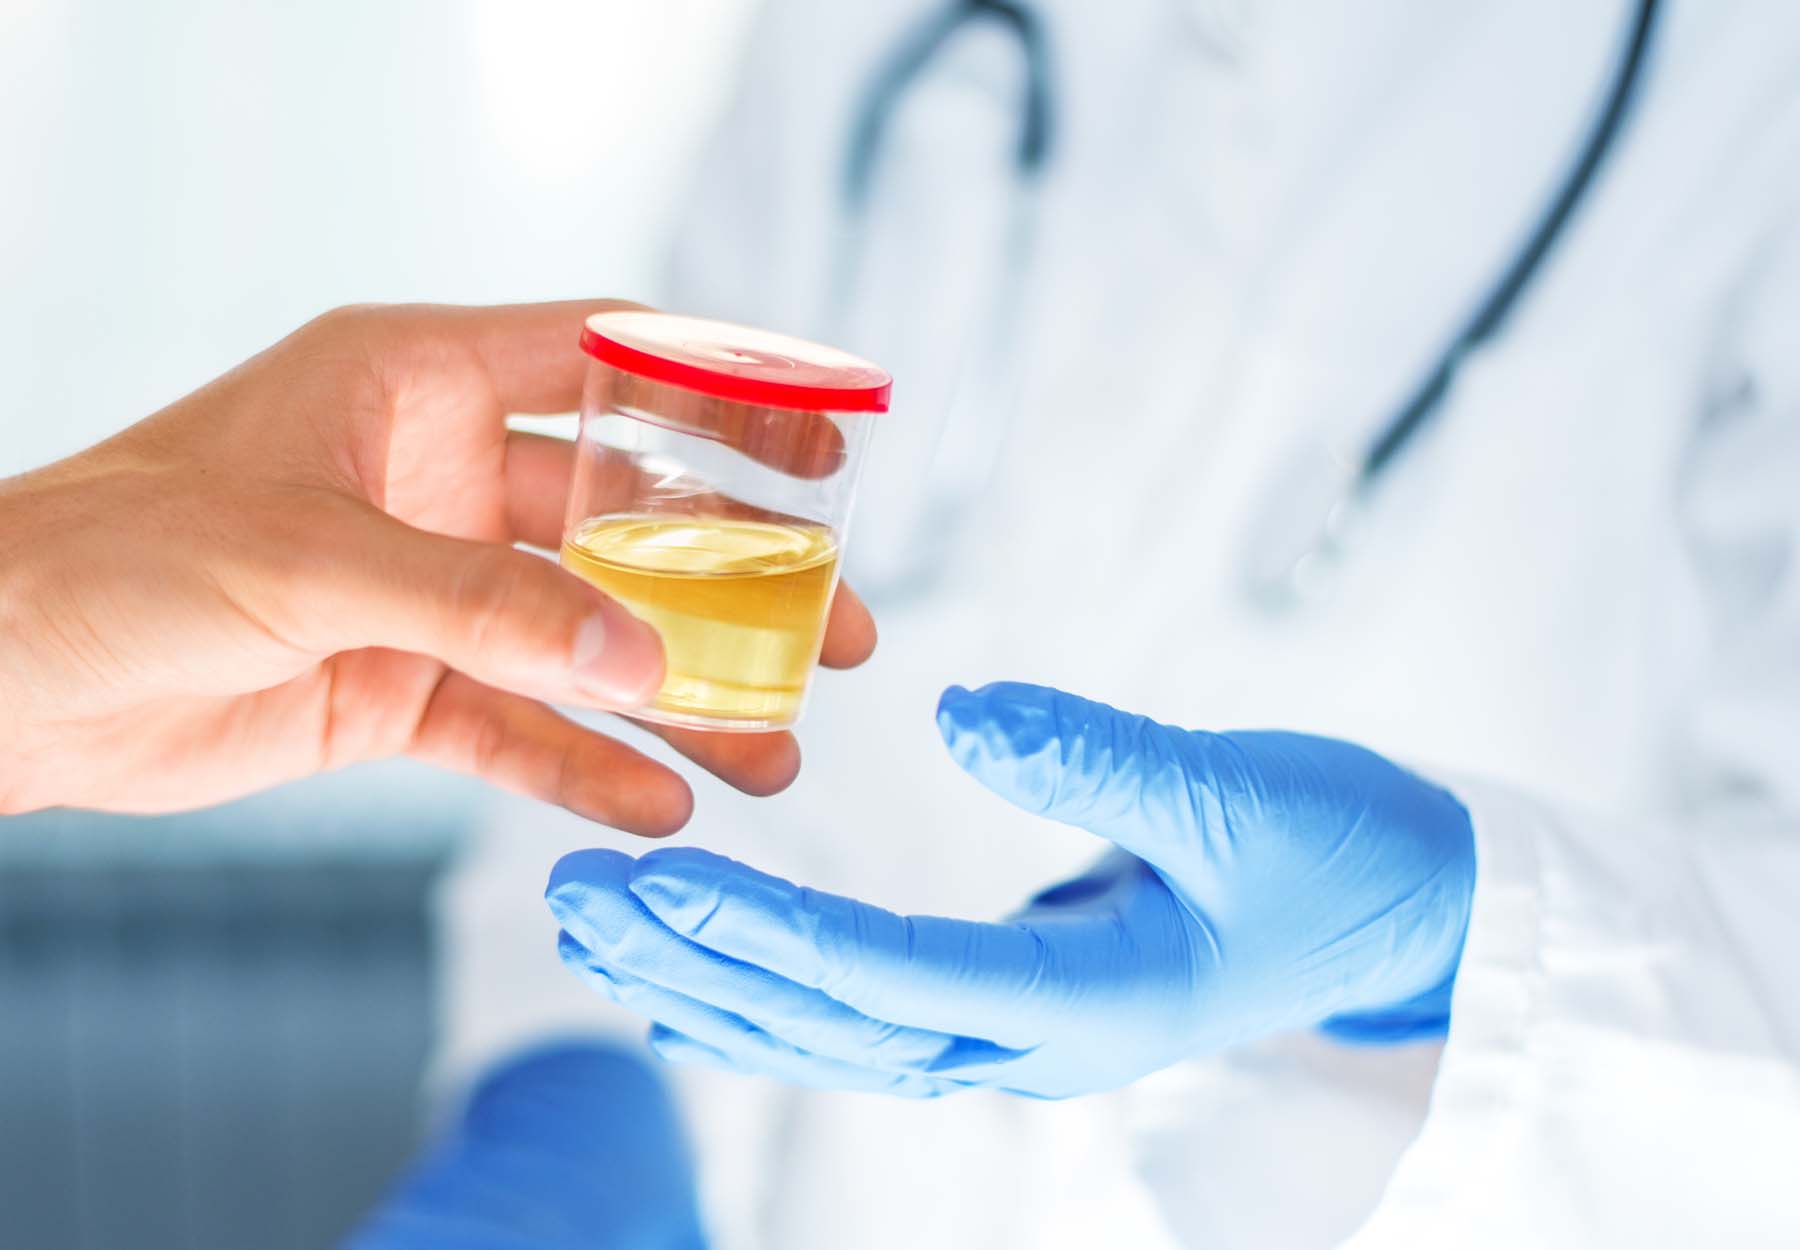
(735, 362)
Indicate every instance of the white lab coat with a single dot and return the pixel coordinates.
(1577, 601)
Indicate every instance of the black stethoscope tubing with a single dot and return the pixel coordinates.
(1427, 400)
(1037, 136)
(908, 62)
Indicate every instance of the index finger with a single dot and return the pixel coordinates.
(529, 352)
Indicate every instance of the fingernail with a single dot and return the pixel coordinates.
(617, 660)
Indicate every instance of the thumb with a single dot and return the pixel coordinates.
(504, 617)
(1140, 784)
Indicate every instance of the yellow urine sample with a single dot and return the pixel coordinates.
(740, 606)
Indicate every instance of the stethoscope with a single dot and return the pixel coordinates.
(1301, 531)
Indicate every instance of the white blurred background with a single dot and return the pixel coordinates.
(181, 183)
(212, 1025)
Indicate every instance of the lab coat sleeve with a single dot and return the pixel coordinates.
(1623, 1064)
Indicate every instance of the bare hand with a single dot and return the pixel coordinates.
(308, 562)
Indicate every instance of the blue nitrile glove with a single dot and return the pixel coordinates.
(1263, 881)
(574, 1147)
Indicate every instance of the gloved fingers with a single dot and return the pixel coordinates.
(589, 894)
(686, 1030)
(798, 1068)
(1142, 785)
(1002, 982)
(657, 1004)
(735, 1042)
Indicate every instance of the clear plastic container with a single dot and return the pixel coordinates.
(714, 479)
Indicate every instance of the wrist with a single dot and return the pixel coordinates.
(1424, 1017)
(1425, 943)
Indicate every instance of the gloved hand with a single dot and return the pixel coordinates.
(570, 1148)
(1263, 881)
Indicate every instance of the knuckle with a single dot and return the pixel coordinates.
(565, 774)
(511, 605)
(348, 317)
(371, 342)
(347, 323)
(489, 746)
(304, 532)
(487, 597)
